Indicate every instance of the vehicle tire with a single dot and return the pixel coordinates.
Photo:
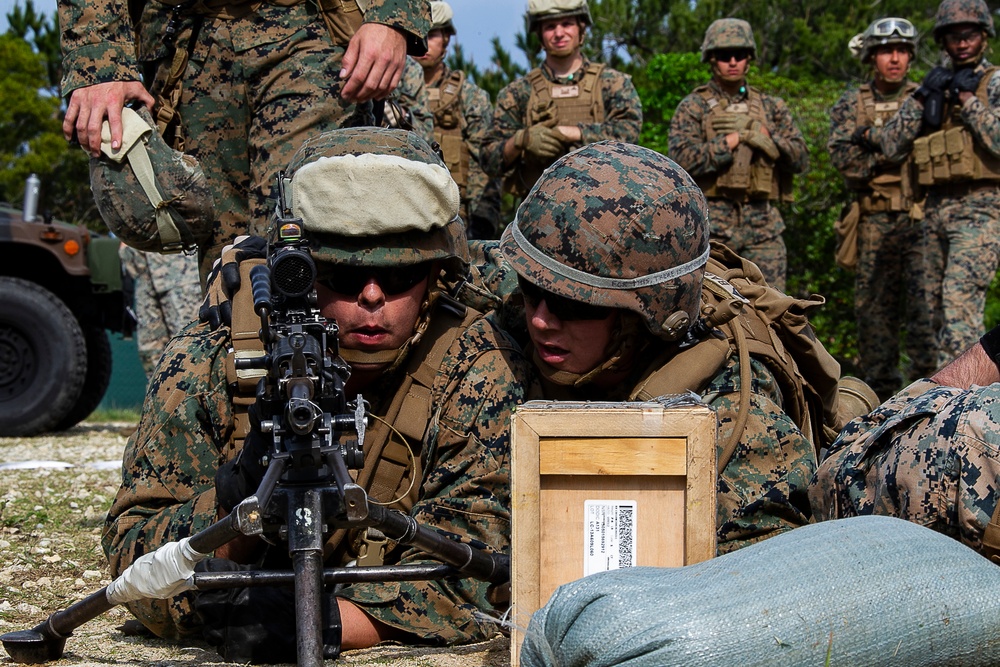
(96, 382)
(43, 359)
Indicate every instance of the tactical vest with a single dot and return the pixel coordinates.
(570, 104)
(393, 473)
(951, 155)
(445, 103)
(767, 325)
(752, 175)
(891, 189)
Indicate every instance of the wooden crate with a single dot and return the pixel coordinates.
(606, 461)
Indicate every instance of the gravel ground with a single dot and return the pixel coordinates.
(54, 493)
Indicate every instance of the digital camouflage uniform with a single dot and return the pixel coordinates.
(480, 193)
(256, 85)
(654, 215)
(891, 293)
(962, 219)
(411, 94)
(167, 297)
(930, 455)
(751, 227)
(622, 121)
(168, 486)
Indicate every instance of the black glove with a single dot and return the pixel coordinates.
(862, 137)
(257, 624)
(936, 81)
(237, 479)
(224, 280)
(966, 80)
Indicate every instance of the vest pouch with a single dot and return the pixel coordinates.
(737, 177)
(761, 179)
(939, 157)
(451, 148)
(922, 160)
(961, 156)
(343, 18)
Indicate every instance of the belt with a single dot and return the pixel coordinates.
(968, 187)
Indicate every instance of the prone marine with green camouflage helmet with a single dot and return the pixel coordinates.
(383, 276)
(951, 125)
(462, 116)
(610, 249)
(891, 290)
(238, 85)
(565, 103)
(742, 147)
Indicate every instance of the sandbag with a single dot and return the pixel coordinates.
(865, 590)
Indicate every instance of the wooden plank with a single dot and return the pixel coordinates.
(612, 456)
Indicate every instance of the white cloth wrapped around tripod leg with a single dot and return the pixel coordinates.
(161, 574)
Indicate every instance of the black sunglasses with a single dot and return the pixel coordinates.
(392, 280)
(565, 309)
(725, 55)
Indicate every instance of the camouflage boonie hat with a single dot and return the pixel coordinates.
(956, 12)
(728, 34)
(150, 196)
(371, 196)
(617, 225)
(543, 10)
(441, 17)
(883, 32)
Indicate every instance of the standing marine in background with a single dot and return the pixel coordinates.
(890, 289)
(560, 106)
(462, 116)
(951, 123)
(742, 147)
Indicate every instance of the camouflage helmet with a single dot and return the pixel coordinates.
(616, 225)
(150, 196)
(377, 197)
(957, 12)
(880, 33)
(728, 34)
(543, 10)
(441, 17)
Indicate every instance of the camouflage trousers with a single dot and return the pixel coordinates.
(930, 455)
(254, 90)
(167, 297)
(752, 230)
(963, 253)
(892, 295)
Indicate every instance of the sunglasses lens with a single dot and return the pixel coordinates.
(396, 280)
(725, 55)
(565, 309)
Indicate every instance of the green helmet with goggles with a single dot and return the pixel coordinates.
(615, 225)
(883, 32)
(376, 197)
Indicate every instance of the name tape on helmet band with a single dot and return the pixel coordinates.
(600, 281)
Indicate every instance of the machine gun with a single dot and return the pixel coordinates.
(306, 492)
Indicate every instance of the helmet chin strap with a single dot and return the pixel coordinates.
(626, 342)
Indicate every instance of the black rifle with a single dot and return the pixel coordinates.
(307, 491)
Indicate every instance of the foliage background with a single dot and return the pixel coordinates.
(802, 58)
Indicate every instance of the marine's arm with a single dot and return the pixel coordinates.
(622, 110)
(896, 137)
(499, 152)
(854, 156)
(465, 494)
(688, 145)
(478, 115)
(794, 154)
(984, 121)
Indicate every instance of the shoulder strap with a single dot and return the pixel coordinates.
(982, 90)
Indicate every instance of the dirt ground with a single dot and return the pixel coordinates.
(54, 493)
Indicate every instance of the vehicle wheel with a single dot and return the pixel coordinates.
(43, 358)
(97, 379)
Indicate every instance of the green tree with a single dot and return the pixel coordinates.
(43, 34)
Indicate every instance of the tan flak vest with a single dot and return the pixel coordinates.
(951, 156)
(393, 443)
(445, 103)
(892, 188)
(752, 175)
(570, 103)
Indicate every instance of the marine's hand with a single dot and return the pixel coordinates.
(935, 81)
(224, 279)
(761, 142)
(966, 80)
(373, 63)
(731, 122)
(541, 141)
(238, 479)
(88, 108)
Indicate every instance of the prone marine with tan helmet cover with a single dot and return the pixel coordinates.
(742, 147)
(462, 117)
(882, 228)
(565, 103)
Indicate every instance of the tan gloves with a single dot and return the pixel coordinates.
(542, 141)
(749, 131)
(728, 123)
(760, 142)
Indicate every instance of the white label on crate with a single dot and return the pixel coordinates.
(608, 535)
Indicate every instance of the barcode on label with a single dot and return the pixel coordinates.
(608, 535)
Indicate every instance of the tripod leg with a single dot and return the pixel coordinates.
(305, 545)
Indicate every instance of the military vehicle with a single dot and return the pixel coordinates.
(60, 291)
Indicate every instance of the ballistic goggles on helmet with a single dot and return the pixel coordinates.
(893, 26)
